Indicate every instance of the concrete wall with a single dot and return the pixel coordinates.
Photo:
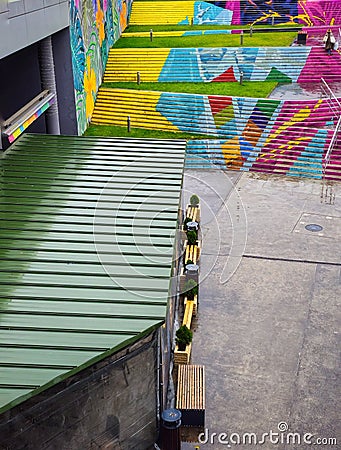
(23, 22)
(110, 405)
(64, 82)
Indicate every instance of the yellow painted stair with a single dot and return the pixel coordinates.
(114, 106)
(123, 64)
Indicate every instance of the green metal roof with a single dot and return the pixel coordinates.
(87, 230)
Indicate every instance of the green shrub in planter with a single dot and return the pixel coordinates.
(192, 237)
(191, 289)
(189, 261)
(183, 337)
(188, 219)
(194, 200)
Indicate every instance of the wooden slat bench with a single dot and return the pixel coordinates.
(192, 252)
(193, 212)
(190, 398)
(187, 320)
(195, 304)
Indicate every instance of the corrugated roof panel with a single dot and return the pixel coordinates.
(87, 229)
(7, 395)
(81, 293)
(85, 308)
(45, 358)
(27, 377)
(51, 339)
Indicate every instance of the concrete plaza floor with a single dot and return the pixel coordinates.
(268, 323)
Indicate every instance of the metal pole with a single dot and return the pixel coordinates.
(151, 35)
(241, 76)
(242, 37)
(138, 78)
(128, 124)
(273, 20)
(192, 21)
(251, 31)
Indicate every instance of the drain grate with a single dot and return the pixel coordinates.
(313, 227)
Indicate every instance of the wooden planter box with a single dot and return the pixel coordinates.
(182, 356)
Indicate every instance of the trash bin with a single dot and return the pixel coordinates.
(192, 272)
(192, 226)
(302, 38)
(170, 429)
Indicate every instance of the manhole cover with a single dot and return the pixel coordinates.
(313, 227)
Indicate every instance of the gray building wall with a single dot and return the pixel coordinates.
(24, 22)
(109, 405)
(64, 80)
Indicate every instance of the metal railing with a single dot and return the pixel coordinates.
(331, 146)
(331, 98)
(335, 106)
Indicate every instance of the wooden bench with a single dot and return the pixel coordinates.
(190, 399)
(193, 212)
(195, 304)
(192, 252)
(187, 320)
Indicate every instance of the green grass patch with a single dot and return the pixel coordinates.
(211, 40)
(115, 131)
(256, 89)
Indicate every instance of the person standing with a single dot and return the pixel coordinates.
(329, 41)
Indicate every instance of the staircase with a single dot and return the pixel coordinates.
(321, 65)
(263, 135)
(123, 64)
(305, 160)
(282, 64)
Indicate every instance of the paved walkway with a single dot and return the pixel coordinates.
(268, 323)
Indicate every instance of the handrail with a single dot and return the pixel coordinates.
(22, 119)
(337, 111)
(330, 98)
(331, 93)
(331, 144)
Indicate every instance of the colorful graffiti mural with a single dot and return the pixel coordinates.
(221, 64)
(94, 26)
(239, 12)
(249, 133)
